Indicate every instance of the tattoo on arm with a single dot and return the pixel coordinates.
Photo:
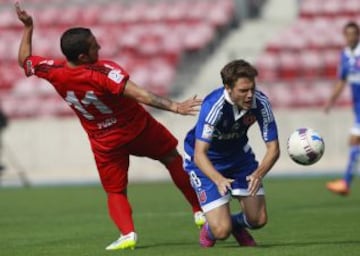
(161, 102)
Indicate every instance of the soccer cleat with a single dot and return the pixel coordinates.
(244, 238)
(204, 239)
(124, 242)
(338, 187)
(199, 219)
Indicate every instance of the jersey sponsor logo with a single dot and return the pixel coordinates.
(107, 123)
(207, 131)
(249, 120)
(229, 136)
(236, 132)
(116, 76)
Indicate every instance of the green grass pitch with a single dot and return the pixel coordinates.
(304, 219)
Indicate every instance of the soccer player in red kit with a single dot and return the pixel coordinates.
(107, 103)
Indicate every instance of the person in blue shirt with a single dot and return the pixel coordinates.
(348, 72)
(220, 161)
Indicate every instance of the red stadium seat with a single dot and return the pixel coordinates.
(48, 16)
(351, 8)
(69, 15)
(177, 11)
(332, 8)
(331, 60)
(288, 66)
(148, 39)
(310, 8)
(311, 64)
(268, 67)
(111, 14)
(308, 52)
(8, 19)
(197, 36)
(91, 14)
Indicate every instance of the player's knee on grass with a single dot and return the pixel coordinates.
(257, 222)
(221, 231)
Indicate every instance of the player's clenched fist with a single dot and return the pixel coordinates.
(189, 107)
(23, 16)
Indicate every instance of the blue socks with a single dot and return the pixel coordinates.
(239, 221)
(352, 164)
(210, 234)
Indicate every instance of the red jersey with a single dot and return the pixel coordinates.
(94, 92)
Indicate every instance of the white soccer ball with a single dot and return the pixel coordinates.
(305, 146)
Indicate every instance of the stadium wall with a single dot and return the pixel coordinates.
(54, 151)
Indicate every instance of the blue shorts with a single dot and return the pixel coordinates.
(208, 194)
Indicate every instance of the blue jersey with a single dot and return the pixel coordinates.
(349, 70)
(224, 126)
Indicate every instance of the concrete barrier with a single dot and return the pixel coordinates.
(57, 151)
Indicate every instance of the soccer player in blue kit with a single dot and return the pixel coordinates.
(349, 72)
(220, 161)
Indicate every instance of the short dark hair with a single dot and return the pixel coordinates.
(74, 42)
(354, 25)
(237, 69)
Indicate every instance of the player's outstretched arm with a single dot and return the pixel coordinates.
(26, 41)
(187, 107)
(339, 86)
(203, 162)
(271, 156)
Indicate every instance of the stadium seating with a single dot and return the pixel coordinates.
(148, 39)
(305, 55)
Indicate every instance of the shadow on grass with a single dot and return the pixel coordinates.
(235, 245)
(309, 243)
(171, 244)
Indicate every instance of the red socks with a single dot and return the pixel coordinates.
(120, 212)
(182, 181)
(120, 209)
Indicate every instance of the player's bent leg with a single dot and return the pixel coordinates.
(219, 222)
(121, 213)
(217, 227)
(254, 216)
(156, 142)
(342, 186)
(113, 167)
(254, 209)
(173, 162)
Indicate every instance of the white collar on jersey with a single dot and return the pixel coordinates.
(352, 53)
(237, 112)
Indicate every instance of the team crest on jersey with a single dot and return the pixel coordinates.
(202, 196)
(249, 120)
(208, 131)
(116, 76)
